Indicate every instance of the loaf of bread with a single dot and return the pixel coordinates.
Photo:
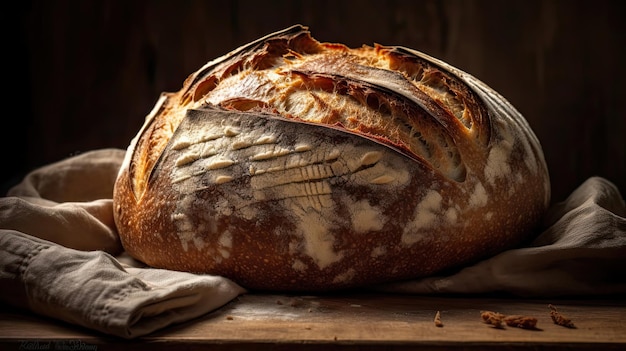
(294, 165)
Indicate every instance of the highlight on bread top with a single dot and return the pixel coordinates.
(290, 164)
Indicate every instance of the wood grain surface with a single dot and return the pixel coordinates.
(352, 321)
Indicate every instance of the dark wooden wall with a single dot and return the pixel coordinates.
(85, 73)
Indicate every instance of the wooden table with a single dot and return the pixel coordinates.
(347, 321)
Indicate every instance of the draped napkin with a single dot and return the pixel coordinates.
(60, 256)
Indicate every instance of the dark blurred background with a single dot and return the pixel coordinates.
(83, 74)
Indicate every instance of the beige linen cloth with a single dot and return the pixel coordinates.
(60, 255)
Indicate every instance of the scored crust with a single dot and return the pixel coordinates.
(290, 164)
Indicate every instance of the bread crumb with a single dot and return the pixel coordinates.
(438, 322)
(559, 319)
(492, 318)
(230, 318)
(518, 321)
(524, 322)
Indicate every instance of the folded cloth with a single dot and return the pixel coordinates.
(68, 202)
(92, 289)
(57, 241)
(581, 252)
(60, 255)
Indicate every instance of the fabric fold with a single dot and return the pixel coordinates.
(68, 202)
(59, 251)
(92, 289)
(78, 225)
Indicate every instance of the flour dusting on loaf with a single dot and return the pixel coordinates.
(295, 165)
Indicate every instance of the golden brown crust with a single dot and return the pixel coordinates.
(291, 164)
